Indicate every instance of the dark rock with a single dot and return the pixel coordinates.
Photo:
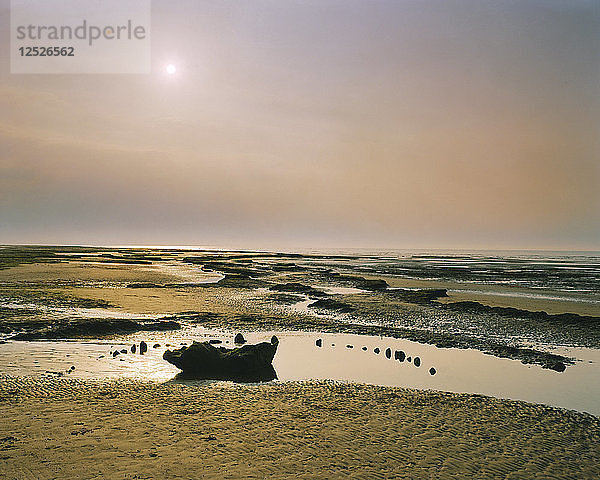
(238, 281)
(376, 350)
(156, 345)
(143, 347)
(419, 297)
(364, 348)
(144, 285)
(124, 350)
(249, 363)
(215, 341)
(408, 359)
(161, 325)
(286, 298)
(417, 362)
(373, 285)
(96, 328)
(399, 355)
(349, 346)
(561, 319)
(319, 343)
(558, 367)
(362, 283)
(432, 371)
(133, 348)
(72, 367)
(388, 353)
(239, 339)
(115, 353)
(298, 288)
(330, 304)
(274, 340)
(242, 271)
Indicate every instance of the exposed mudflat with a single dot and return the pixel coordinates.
(80, 402)
(44, 289)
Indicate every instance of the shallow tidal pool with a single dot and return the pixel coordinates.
(341, 357)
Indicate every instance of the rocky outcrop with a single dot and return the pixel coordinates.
(82, 328)
(557, 366)
(330, 304)
(419, 297)
(298, 288)
(373, 285)
(249, 363)
(399, 355)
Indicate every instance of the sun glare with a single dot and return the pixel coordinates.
(171, 69)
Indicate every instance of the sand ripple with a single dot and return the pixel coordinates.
(64, 428)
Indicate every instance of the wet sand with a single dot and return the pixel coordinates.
(62, 428)
(172, 286)
(81, 428)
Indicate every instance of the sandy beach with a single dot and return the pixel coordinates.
(66, 429)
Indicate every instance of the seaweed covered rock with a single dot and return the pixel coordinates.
(419, 297)
(248, 363)
(294, 287)
(331, 304)
(556, 366)
(95, 327)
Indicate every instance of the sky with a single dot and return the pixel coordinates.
(318, 124)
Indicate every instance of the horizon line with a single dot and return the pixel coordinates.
(304, 248)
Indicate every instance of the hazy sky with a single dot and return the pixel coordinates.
(316, 124)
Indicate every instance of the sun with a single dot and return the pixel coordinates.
(171, 69)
